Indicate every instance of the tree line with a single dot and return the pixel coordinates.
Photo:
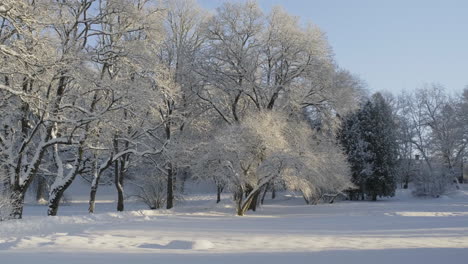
(150, 93)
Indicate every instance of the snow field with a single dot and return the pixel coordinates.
(397, 230)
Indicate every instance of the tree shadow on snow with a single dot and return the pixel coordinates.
(381, 256)
(175, 244)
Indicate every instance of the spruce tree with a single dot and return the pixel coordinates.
(357, 151)
(369, 139)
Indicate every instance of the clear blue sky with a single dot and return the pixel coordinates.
(393, 45)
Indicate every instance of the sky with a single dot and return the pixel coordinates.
(393, 45)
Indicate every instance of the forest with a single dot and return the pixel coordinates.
(151, 95)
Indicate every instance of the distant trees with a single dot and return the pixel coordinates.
(463, 114)
(423, 133)
(369, 138)
(433, 125)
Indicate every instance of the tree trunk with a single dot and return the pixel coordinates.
(41, 188)
(238, 198)
(218, 194)
(18, 203)
(374, 197)
(56, 194)
(455, 178)
(119, 170)
(92, 199)
(6, 184)
(19, 190)
(94, 187)
(264, 193)
(254, 202)
(119, 175)
(54, 202)
(247, 203)
(170, 187)
(120, 198)
(170, 171)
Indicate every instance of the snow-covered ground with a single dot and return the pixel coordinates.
(397, 230)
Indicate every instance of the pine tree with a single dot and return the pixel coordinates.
(357, 151)
(369, 139)
(383, 144)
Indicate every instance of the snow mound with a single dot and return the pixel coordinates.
(181, 244)
(202, 245)
(459, 194)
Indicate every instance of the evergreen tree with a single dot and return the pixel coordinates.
(357, 150)
(369, 139)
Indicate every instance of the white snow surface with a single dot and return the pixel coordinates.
(402, 229)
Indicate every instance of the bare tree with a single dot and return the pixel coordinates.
(433, 124)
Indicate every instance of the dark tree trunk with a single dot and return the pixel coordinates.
(248, 190)
(170, 187)
(57, 193)
(264, 193)
(406, 181)
(273, 192)
(119, 176)
(238, 198)
(218, 194)
(254, 202)
(19, 191)
(41, 189)
(119, 172)
(234, 106)
(120, 198)
(170, 171)
(18, 203)
(55, 202)
(25, 111)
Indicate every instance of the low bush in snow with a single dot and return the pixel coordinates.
(431, 183)
(151, 191)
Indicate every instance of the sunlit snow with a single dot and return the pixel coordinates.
(397, 230)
